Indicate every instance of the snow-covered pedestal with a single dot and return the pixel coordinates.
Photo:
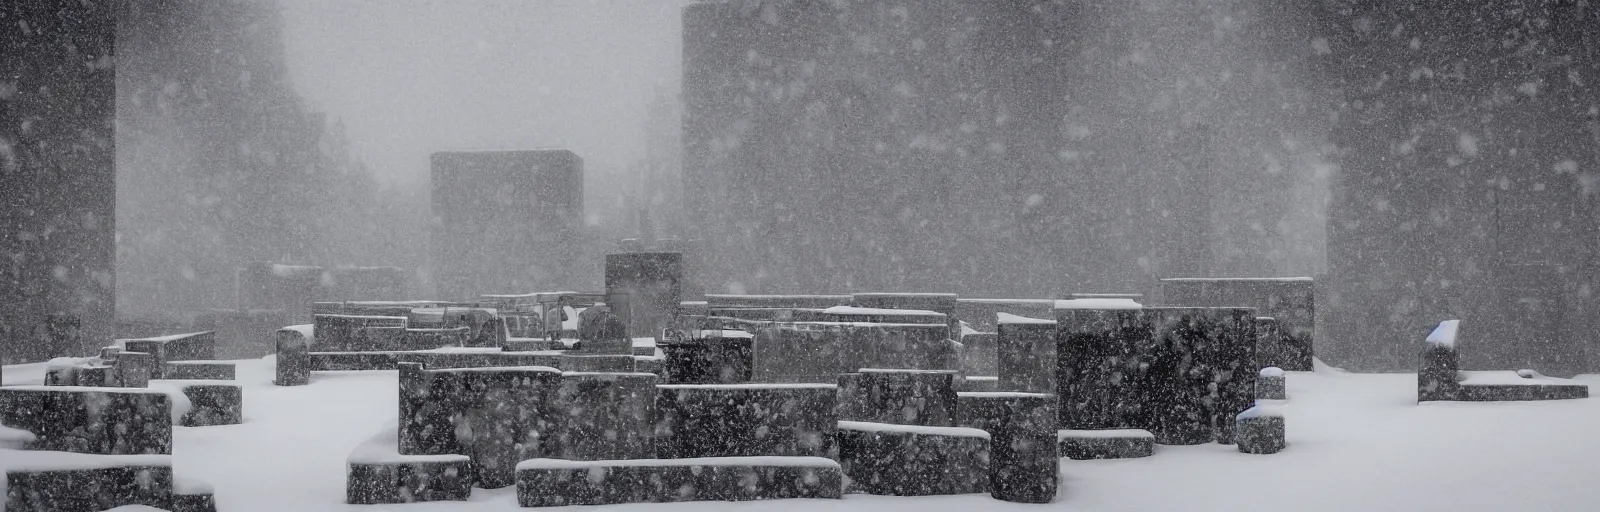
(1438, 378)
(1025, 351)
(1100, 368)
(555, 482)
(1023, 465)
(1201, 373)
(905, 397)
(1261, 430)
(1271, 384)
(604, 416)
(726, 420)
(293, 361)
(1105, 444)
(913, 460)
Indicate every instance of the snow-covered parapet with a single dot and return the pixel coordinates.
(379, 473)
(1099, 303)
(106, 421)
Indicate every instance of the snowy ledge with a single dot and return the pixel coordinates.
(776, 385)
(716, 333)
(863, 426)
(169, 337)
(1511, 378)
(765, 461)
(494, 369)
(1098, 304)
(1271, 371)
(1120, 433)
(898, 370)
(1008, 318)
(1262, 410)
(854, 310)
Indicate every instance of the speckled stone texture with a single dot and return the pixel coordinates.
(213, 404)
(124, 422)
(293, 361)
(908, 463)
(1201, 373)
(88, 490)
(1026, 357)
(1023, 465)
(604, 416)
(709, 360)
(1136, 443)
(409, 482)
(1261, 434)
(903, 397)
(340, 333)
(745, 420)
(1292, 302)
(496, 416)
(1101, 371)
(1439, 376)
(670, 481)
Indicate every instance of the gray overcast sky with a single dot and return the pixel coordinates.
(410, 77)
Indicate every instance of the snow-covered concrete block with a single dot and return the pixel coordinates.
(906, 397)
(1025, 354)
(497, 416)
(108, 421)
(197, 370)
(1521, 385)
(709, 357)
(1271, 384)
(914, 460)
(604, 416)
(979, 353)
(596, 363)
(555, 482)
(135, 369)
(1023, 465)
(77, 482)
(1105, 444)
(1201, 373)
(340, 332)
(1100, 372)
(293, 361)
(1439, 377)
(192, 495)
(379, 473)
(210, 403)
(730, 420)
(195, 346)
(651, 364)
(1261, 430)
(1289, 300)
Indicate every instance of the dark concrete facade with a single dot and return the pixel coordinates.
(508, 221)
(57, 177)
(1466, 185)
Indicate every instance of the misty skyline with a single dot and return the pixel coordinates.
(412, 77)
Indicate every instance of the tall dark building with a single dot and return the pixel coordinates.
(507, 222)
(995, 148)
(1470, 162)
(57, 177)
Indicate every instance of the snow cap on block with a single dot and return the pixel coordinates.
(1272, 371)
(1445, 334)
(1098, 304)
(1262, 411)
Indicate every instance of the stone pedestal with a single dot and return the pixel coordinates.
(1105, 444)
(1023, 465)
(905, 397)
(1271, 384)
(378, 473)
(1438, 378)
(1102, 370)
(1261, 431)
(644, 288)
(293, 361)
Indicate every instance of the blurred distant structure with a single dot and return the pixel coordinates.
(508, 221)
(57, 177)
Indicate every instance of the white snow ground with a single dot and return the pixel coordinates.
(1356, 442)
